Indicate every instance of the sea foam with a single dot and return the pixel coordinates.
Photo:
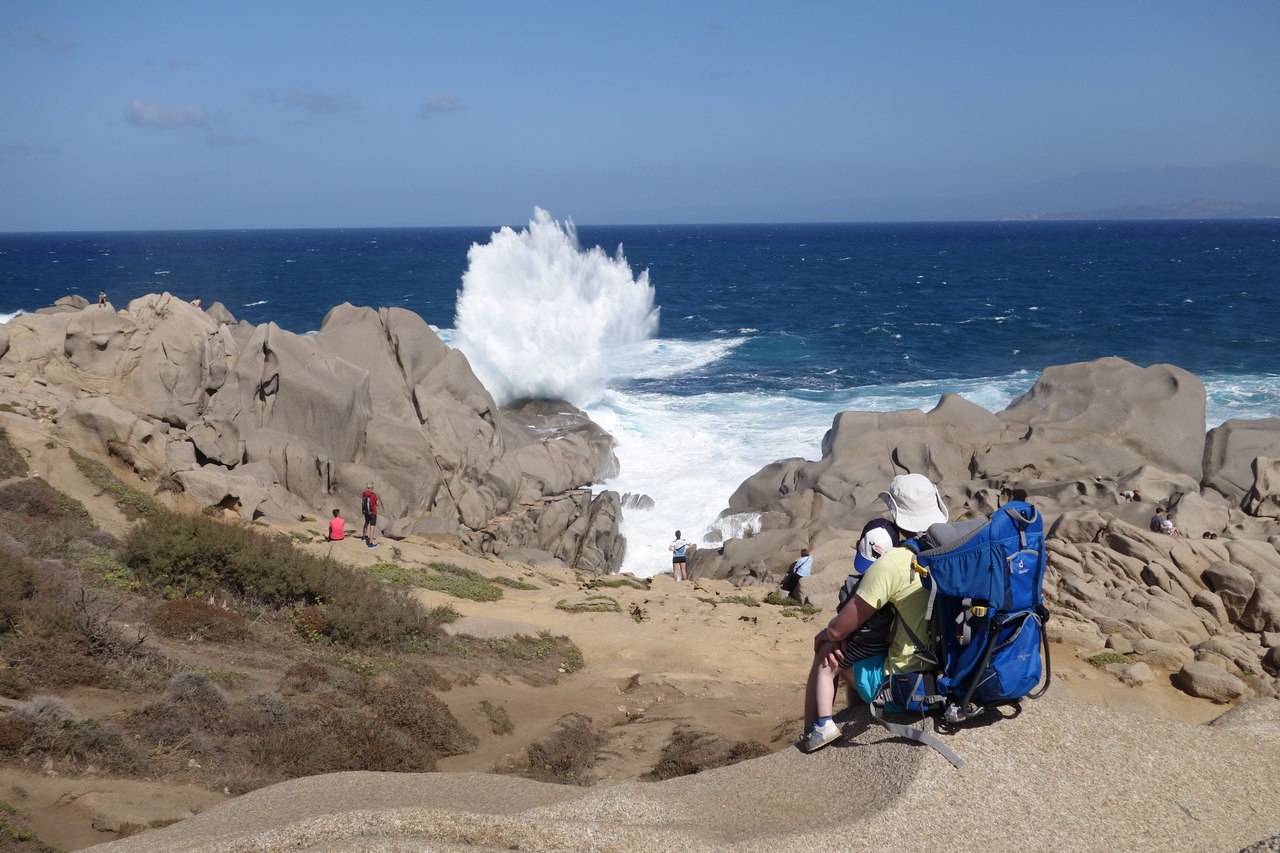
(538, 316)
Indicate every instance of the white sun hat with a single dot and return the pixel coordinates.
(914, 503)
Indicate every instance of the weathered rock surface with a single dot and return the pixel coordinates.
(271, 424)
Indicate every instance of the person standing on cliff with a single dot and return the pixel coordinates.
(678, 549)
(369, 506)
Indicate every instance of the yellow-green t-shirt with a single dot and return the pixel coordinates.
(890, 580)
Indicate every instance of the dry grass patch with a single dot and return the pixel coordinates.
(12, 463)
(566, 755)
(194, 619)
(690, 752)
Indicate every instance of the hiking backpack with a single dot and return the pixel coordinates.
(986, 621)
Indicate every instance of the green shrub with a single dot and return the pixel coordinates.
(779, 600)
(616, 581)
(113, 572)
(1101, 659)
(744, 600)
(195, 556)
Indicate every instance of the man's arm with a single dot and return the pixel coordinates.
(844, 623)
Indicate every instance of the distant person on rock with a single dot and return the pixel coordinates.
(914, 504)
(1157, 520)
(1170, 528)
(369, 506)
(678, 559)
(102, 297)
(1131, 495)
(337, 527)
(801, 568)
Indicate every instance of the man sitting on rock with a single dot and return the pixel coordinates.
(914, 504)
(1157, 520)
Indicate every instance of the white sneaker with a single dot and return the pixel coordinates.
(820, 736)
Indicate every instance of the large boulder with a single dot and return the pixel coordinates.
(1229, 451)
(1263, 498)
(96, 426)
(1110, 416)
(96, 340)
(283, 382)
(177, 356)
(1209, 681)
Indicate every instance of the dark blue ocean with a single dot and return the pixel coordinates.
(712, 350)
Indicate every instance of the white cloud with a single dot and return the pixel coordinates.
(164, 116)
(439, 104)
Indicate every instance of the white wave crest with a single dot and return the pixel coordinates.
(538, 316)
(5, 318)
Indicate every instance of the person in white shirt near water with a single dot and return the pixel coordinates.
(678, 549)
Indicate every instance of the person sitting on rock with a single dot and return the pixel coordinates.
(799, 570)
(914, 504)
(337, 527)
(1157, 520)
(1168, 527)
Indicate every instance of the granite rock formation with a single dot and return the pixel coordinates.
(1205, 610)
(274, 425)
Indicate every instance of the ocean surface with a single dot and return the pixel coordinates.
(710, 351)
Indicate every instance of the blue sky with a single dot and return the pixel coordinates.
(142, 115)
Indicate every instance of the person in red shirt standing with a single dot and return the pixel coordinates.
(337, 527)
(369, 505)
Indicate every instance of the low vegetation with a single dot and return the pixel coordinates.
(16, 836)
(440, 577)
(690, 752)
(565, 755)
(1101, 659)
(591, 604)
(616, 581)
(134, 503)
(360, 694)
(192, 556)
(12, 463)
(790, 606)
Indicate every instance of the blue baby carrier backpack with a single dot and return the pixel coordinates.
(986, 619)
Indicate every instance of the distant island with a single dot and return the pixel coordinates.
(1201, 208)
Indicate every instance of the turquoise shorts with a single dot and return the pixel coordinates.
(868, 675)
